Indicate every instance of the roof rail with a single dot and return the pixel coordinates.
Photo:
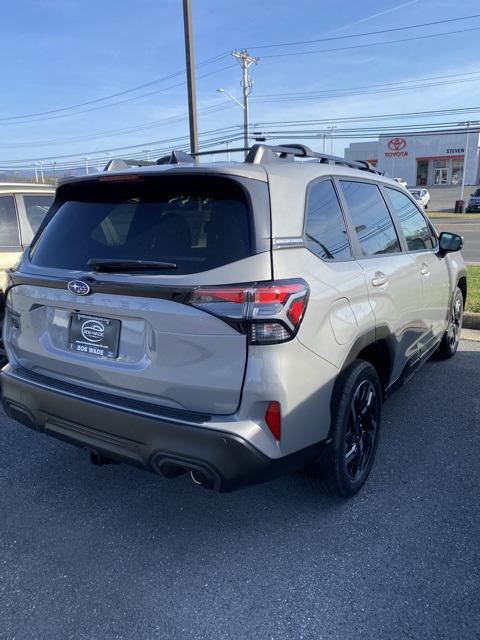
(266, 153)
(256, 154)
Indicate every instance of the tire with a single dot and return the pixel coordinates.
(449, 344)
(348, 457)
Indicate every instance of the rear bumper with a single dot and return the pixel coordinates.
(165, 445)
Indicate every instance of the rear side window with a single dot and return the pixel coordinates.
(36, 208)
(9, 235)
(196, 222)
(325, 230)
(415, 228)
(370, 217)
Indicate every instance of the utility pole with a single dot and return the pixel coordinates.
(36, 172)
(465, 154)
(190, 59)
(246, 61)
(41, 171)
(332, 129)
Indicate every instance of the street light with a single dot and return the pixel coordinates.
(244, 107)
(231, 97)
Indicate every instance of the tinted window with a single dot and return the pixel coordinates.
(414, 225)
(9, 236)
(198, 223)
(36, 208)
(325, 229)
(370, 217)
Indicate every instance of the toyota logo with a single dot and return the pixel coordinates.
(78, 287)
(397, 144)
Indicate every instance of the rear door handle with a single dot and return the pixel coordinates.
(424, 271)
(379, 279)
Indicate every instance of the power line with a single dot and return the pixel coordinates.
(366, 33)
(315, 97)
(328, 92)
(113, 95)
(374, 117)
(370, 44)
(114, 104)
(140, 127)
(234, 132)
(110, 150)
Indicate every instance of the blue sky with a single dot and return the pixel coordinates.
(58, 53)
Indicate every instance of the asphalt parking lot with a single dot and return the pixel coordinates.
(443, 198)
(113, 552)
(469, 228)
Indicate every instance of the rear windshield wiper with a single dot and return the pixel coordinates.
(122, 266)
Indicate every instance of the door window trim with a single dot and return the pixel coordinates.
(357, 249)
(309, 188)
(393, 213)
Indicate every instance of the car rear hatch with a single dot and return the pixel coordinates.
(104, 297)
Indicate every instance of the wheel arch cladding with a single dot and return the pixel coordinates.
(378, 349)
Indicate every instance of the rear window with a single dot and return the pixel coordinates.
(196, 222)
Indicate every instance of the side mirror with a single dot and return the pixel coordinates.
(450, 242)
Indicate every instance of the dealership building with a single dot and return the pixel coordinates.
(423, 158)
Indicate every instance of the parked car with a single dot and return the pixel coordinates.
(22, 209)
(422, 196)
(401, 181)
(473, 205)
(231, 320)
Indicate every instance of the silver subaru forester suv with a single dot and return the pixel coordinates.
(235, 321)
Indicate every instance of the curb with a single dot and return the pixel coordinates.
(471, 321)
(470, 334)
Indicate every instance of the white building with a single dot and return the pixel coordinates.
(423, 158)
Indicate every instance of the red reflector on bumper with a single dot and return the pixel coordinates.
(273, 418)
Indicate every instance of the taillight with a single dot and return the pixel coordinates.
(269, 312)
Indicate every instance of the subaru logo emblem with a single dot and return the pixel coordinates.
(78, 287)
